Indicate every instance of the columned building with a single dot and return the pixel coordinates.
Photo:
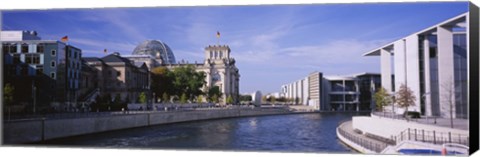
(334, 93)
(433, 64)
(343, 93)
(220, 71)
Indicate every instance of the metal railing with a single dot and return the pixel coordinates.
(433, 137)
(367, 144)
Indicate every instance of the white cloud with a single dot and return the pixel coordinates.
(99, 45)
(120, 19)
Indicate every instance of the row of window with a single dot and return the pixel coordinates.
(13, 48)
(216, 54)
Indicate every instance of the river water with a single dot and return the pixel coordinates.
(313, 132)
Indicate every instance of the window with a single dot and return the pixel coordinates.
(221, 54)
(39, 70)
(118, 73)
(13, 48)
(211, 54)
(28, 59)
(24, 48)
(5, 48)
(52, 64)
(54, 52)
(40, 48)
(16, 59)
(52, 75)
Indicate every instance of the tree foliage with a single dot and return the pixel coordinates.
(229, 100)
(382, 98)
(142, 98)
(187, 81)
(213, 94)
(161, 81)
(181, 80)
(8, 94)
(245, 98)
(272, 99)
(405, 97)
(183, 98)
(165, 97)
(199, 99)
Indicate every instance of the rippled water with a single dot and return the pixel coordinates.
(313, 132)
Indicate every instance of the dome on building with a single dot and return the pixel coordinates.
(157, 49)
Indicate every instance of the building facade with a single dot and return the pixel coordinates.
(334, 93)
(49, 71)
(120, 77)
(220, 71)
(433, 64)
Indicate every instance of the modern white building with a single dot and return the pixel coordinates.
(334, 93)
(341, 93)
(297, 91)
(433, 64)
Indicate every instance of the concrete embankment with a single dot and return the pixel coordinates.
(28, 131)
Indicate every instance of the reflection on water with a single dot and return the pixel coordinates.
(287, 133)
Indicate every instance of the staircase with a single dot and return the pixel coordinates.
(90, 98)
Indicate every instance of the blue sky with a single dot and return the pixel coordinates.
(273, 44)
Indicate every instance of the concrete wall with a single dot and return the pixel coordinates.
(28, 131)
(387, 127)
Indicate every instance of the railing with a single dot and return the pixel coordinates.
(367, 144)
(92, 95)
(434, 137)
(389, 115)
(112, 113)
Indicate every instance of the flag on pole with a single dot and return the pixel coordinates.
(218, 34)
(64, 39)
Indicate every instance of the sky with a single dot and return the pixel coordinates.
(272, 44)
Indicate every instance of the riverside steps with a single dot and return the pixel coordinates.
(40, 129)
(390, 134)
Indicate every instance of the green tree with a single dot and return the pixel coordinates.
(199, 99)
(187, 81)
(264, 99)
(229, 100)
(245, 98)
(272, 99)
(405, 97)
(165, 97)
(382, 99)
(162, 81)
(183, 98)
(8, 94)
(213, 91)
(142, 98)
(214, 98)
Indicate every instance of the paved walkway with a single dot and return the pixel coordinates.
(347, 127)
(462, 124)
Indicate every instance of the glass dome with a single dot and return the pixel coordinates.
(157, 49)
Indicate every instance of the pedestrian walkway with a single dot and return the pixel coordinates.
(462, 124)
(349, 133)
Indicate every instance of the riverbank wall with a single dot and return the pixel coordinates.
(37, 130)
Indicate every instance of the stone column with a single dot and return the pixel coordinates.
(413, 69)
(386, 70)
(426, 60)
(445, 70)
